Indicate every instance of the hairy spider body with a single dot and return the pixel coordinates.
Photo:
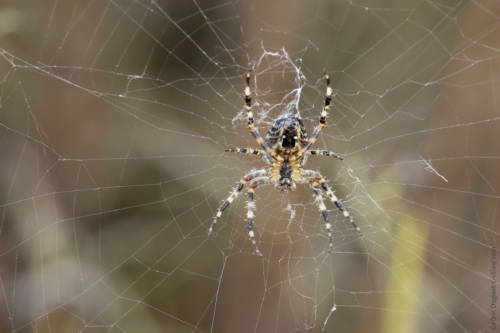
(287, 131)
(285, 173)
(285, 137)
(285, 150)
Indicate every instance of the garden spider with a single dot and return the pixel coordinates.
(285, 150)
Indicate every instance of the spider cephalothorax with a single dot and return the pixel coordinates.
(285, 150)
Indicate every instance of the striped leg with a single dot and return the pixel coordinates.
(250, 151)
(251, 127)
(324, 153)
(321, 205)
(329, 193)
(322, 119)
(233, 195)
(251, 206)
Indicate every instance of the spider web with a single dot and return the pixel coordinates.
(113, 123)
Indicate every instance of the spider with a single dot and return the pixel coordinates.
(285, 151)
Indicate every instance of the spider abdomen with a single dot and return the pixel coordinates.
(287, 132)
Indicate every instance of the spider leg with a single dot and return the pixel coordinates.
(322, 119)
(250, 151)
(329, 193)
(233, 195)
(321, 205)
(251, 206)
(324, 153)
(251, 127)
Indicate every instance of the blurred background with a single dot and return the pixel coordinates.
(114, 117)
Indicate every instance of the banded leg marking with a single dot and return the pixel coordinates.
(325, 153)
(338, 203)
(251, 206)
(328, 100)
(248, 105)
(250, 151)
(233, 196)
(321, 205)
(316, 176)
(322, 119)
